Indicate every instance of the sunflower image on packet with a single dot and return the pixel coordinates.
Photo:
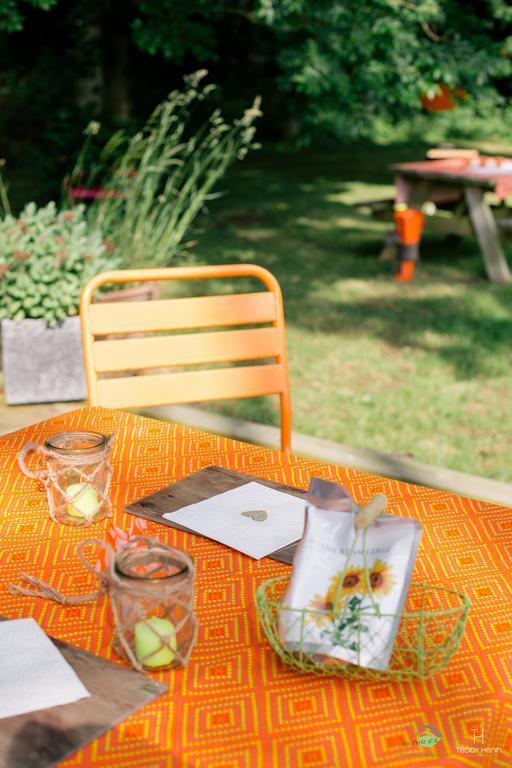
(349, 583)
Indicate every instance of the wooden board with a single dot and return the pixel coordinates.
(199, 486)
(44, 738)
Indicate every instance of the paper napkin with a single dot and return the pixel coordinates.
(253, 519)
(33, 672)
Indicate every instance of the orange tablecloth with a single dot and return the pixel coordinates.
(236, 705)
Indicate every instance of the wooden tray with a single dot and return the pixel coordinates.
(44, 738)
(199, 486)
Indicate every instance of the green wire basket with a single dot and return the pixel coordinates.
(430, 630)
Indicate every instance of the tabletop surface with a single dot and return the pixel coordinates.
(487, 172)
(236, 705)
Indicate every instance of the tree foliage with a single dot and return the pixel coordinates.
(352, 61)
(175, 28)
(12, 12)
(342, 64)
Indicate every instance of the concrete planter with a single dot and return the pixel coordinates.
(41, 364)
(45, 365)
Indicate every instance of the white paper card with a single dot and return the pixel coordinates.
(33, 672)
(255, 534)
(364, 628)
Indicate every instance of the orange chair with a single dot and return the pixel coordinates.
(229, 342)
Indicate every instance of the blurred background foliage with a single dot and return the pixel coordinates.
(422, 370)
(327, 70)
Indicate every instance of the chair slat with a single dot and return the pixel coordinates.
(150, 337)
(180, 314)
(185, 349)
(191, 386)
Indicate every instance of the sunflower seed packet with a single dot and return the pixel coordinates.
(348, 586)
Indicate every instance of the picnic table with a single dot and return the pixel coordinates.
(419, 182)
(236, 704)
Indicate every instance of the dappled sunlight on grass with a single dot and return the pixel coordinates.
(357, 192)
(338, 222)
(255, 235)
(420, 369)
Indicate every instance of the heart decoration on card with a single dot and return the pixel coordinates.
(258, 515)
(277, 517)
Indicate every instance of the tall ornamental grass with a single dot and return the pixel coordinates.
(159, 179)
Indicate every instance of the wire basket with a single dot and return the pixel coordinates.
(430, 630)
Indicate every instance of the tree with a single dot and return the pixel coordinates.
(104, 33)
(352, 61)
(341, 63)
(12, 15)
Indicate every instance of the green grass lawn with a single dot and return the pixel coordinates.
(422, 369)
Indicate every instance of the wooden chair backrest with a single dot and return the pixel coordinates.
(230, 342)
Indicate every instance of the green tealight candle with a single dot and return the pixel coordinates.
(85, 500)
(149, 648)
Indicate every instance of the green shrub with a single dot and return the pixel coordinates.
(46, 256)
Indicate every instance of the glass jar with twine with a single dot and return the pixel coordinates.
(76, 472)
(151, 590)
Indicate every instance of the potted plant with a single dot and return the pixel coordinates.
(46, 256)
(144, 192)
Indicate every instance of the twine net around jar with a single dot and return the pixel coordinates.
(88, 471)
(151, 589)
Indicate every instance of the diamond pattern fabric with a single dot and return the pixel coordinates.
(236, 705)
